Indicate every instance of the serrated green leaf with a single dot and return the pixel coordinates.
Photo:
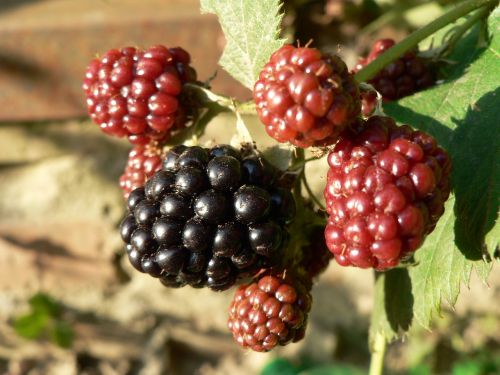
(251, 28)
(31, 326)
(393, 309)
(462, 114)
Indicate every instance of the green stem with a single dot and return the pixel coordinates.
(298, 159)
(416, 37)
(247, 108)
(309, 190)
(378, 353)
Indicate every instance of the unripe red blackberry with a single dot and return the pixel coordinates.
(142, 163)
(306, 98)
(135, 93)
(403, 77)
(270, 311)
(208, 218)
(385, 191)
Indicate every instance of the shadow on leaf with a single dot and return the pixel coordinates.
(398, 299)
(476, 175)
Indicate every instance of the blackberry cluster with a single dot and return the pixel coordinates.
(270, 311)
(385, 191)
(134, 93)
(402, 77)
(208, 218)
(306, 98)
(142, 163)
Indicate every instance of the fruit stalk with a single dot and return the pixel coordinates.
(378, 353)
(416, 37)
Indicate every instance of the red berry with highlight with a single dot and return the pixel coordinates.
(385, 191)
(135, 93)
(305, 97)
(270, 311)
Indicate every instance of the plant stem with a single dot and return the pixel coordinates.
(378, 352)
(298, 157)
(414, 38)
(309, 190)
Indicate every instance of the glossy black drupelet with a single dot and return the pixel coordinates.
(208, 218)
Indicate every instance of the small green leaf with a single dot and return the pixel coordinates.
(62, 334)
(251, 28)
(31, 326)
(462, 114)
(44, 303)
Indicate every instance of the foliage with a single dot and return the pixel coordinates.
(251, 29)
(461, 114)
(45, 320)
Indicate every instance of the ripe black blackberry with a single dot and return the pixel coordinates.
(270, 311)
(403, 77)
(385, 191)
(142, 163)
(209, 217)
(135, 93)
(305, 97)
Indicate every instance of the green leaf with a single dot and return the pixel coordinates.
(467, 368)
(62, 334)
(45, 304)
(251, 28)
(393, 310)
(31, 326)
(462, 114)
(334, 370)
(279, 366)
(420, 369)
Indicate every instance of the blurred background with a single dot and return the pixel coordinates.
(69, 301)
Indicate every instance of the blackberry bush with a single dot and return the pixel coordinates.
(385, 192)
(305, 97)
(135, 93)
(402, 77)
(208, 218)
(213, 217)
(268, 312)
